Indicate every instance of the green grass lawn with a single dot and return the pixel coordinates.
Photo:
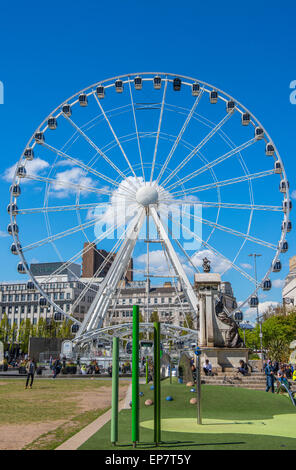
(233, 418)
(50, 400)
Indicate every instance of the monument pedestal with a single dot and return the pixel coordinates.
(223, 359)
(219, 340)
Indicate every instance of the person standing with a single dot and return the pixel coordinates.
(269, 372)
(30, 369)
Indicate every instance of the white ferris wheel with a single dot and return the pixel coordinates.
(150, 152)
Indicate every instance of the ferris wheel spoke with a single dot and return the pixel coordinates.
(174, 283)
(182, 249)
(71, 207)
(172, 151)
(212, 164)
(223, 205)
(60, 235)
(197, 149)
(98, 150)
(68, 185)
(215, 252)
(80, 164)
(106, 259)
(246, 236)
(158, 130)
(115, 137)
(137, 133)
(220, 184)
(78, 255)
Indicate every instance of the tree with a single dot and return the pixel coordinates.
(278, 330)
(188, 323)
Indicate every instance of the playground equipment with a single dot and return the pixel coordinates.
(283, 385)
(135, 384)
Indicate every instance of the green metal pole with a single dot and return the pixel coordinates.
(198, 390)
(147, 370)
(115, 376)
(135, 377)
(157, 430)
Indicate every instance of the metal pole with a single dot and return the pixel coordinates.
(255, 255)
(198, 390)
(147, 370)
(115, 376)
(135, 377)
(157, 430)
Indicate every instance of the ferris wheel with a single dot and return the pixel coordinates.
(142, 153)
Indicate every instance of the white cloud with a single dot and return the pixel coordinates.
(218, 263)
(33, 167)
(278, 283)
(293, 194)
(157, 263)
(263, 307)
(246, 265)
(3, 234)
(62, 187)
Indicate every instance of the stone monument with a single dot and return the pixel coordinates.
(219, 339)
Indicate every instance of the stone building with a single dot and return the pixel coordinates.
(289, 289)
(95, 262)
(20, 300)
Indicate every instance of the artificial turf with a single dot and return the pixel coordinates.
(223, 407)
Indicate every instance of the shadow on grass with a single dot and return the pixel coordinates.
(174, 444)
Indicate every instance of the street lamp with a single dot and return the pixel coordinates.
(256, 255)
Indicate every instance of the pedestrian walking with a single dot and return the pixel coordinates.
(56, 368)
(30, 369)
(269, 372)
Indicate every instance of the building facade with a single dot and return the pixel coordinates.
(289, 289)
(97, 262)
(21, 301)
(168, 301)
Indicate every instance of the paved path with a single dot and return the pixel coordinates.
(82, 436)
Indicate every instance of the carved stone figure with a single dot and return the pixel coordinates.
(232, 339)
(206, 265)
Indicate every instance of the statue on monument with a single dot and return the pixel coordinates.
(206, 265)
(233, 339)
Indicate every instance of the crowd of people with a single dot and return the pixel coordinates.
(279, 372)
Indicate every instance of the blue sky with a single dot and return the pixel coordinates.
(50, 51)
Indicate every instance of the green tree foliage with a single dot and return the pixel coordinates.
(11, 334)
(188, 323)
(278, 330)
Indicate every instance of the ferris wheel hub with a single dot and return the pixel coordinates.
(147, 195)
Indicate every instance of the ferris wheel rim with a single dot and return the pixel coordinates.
(128, 76)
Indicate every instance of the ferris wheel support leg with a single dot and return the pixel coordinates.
(202, 322)
(100, 305)
(188, 289)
